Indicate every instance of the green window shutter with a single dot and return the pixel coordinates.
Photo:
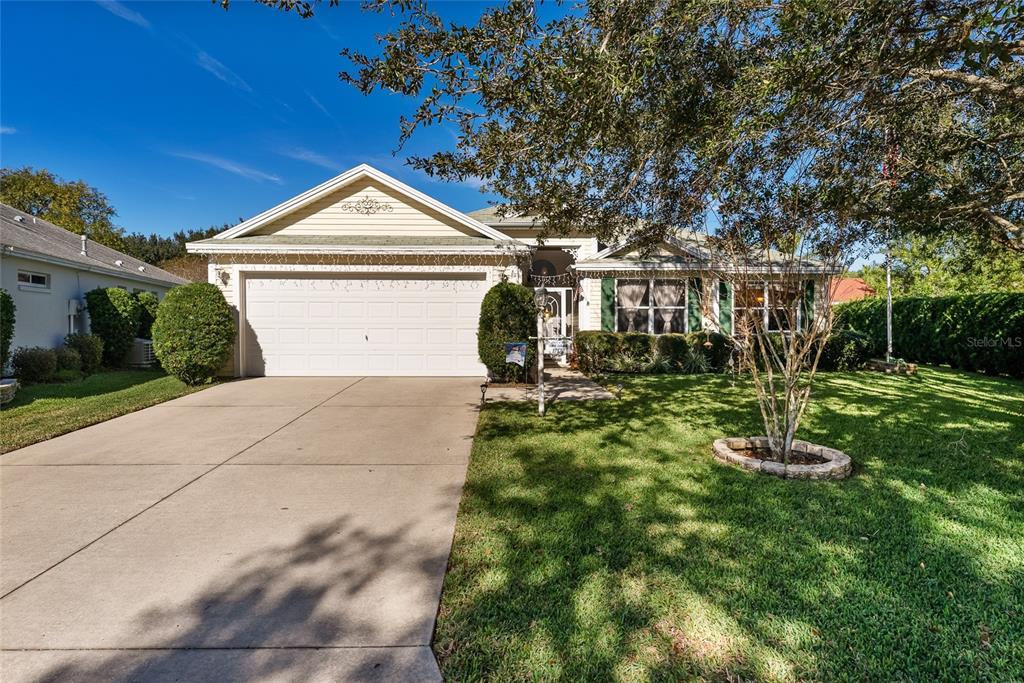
(693, 305)
(725, 307)
(807, 305)
(608, 304)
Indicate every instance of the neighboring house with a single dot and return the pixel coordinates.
(364, 275)
(850, 289)
(47, 270)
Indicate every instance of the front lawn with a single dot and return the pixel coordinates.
(43, 411)
(605, 543)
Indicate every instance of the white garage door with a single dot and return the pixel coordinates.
(374, 324)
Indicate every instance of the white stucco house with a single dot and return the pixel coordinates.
(364, 275)
(47, 270)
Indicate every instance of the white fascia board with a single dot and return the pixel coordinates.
(75, 265)
(228, 248)
(647, 266)
(669, 240)
(362, 170)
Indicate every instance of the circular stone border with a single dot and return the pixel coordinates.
(837, 464)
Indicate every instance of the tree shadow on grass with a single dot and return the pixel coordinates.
(281, 614)
(603, 542)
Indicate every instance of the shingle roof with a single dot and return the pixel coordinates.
(25, 235)
(490, 215)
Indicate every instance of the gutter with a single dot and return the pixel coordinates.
(287, 249)
(698, 267)
(9, 250)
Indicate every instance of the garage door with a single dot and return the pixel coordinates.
(420, 324)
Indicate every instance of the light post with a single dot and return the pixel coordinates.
(539, 298)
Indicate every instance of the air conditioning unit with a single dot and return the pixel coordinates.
(141, 355)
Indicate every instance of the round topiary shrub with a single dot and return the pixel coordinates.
(147, 314)
(89, 348)
(114, 315)
(34, 364)
(7, 309)
(507, 314)
(193, 332)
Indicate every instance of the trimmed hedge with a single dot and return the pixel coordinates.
(114, 315)
(34, 364)
(980, 332)
(649, 353)
(7, 309)
(845, 350)
(89, 348)
(149, 304)
(507, 314)
(194, 332)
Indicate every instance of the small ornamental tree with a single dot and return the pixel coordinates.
(147, 315)
(114, 316)
(194, 332)
(507, 314)
(7, 309)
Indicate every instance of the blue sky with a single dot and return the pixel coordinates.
(188, 116)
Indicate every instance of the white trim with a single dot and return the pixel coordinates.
(507, 246)
(589, 266)
(670, 240)
(651, 306)
(360, 171)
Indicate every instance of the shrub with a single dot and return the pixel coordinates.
(672, 349)
(845, 350)
(715, 346)
(194, 332)
(983, 332)
(7, 309)
(594, 350)
(89, 348)
(114, 315)
(68, 359)
(34, 364)
(507, 314)
(148, 305)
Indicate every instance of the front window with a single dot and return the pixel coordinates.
(651, 306)
(774, 307)
(33, 280)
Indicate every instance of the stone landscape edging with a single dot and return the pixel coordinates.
(837, 464)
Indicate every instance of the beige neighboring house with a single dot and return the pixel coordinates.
(364, 275)
(47, 270)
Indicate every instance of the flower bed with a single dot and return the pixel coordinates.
(813, 461)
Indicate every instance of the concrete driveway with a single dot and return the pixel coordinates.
(265, 529)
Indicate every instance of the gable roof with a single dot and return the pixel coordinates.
(31, 237)
(349, 176)
(491, 215)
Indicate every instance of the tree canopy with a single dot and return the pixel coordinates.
(661, 114)
(82, 209)
(72, 204)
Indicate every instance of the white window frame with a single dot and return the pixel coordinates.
(651, 307)
(766, 307)
(32, 286)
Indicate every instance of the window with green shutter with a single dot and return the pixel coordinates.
(725, 307)
(608, 304)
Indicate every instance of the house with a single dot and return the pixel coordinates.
(47, 270)
(850, 289)
(364, 275)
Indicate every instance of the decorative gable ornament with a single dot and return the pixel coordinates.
(366, 206)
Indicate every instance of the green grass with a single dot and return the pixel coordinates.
(43, 411)
(605, 543)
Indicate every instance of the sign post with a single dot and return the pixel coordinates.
(539, 296)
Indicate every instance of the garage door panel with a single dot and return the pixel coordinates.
(378, 325)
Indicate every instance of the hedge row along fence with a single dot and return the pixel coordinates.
(980, 332)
